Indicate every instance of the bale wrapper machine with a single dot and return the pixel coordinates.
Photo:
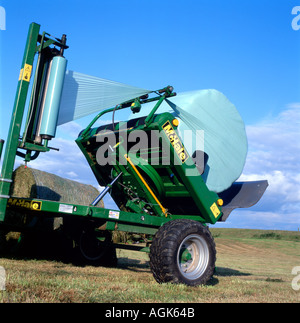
(154, 181)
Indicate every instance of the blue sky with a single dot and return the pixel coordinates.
(247, 50)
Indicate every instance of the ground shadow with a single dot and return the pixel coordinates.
(132, 264)
(57, 247)
(222, 271)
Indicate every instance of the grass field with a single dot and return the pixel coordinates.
(252, 266)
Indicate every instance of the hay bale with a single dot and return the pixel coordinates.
(33, 183)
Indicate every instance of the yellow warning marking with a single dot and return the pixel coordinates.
(27, 72)
(215, 210)
(35, 206)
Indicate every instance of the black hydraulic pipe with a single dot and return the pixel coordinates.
(33, 157)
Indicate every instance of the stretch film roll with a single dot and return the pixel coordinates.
(53, 97)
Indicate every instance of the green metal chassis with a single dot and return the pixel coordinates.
(36, 43)
(114, 219)
(192, 187)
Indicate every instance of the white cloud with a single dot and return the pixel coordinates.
(275, 143)
(264, 220)
(274, 154)
(72, 174)
(71, 129)
(68, 162)
(281, 184)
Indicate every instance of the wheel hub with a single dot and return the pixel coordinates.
(193, 256)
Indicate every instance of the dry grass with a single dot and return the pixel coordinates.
(249, 269)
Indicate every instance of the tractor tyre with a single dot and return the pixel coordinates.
(183, 252)
(96, 248)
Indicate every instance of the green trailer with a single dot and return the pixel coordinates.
(149, 182)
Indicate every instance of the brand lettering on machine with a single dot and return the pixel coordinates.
(175, 141)
(28, 204)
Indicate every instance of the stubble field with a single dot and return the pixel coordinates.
(252, 266)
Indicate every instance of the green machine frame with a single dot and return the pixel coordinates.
(36, 44)
(154, 198)
(133, 221)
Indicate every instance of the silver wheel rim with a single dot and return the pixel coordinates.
(193, 257)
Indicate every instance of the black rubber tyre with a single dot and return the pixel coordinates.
(96, 248)
(183, 251)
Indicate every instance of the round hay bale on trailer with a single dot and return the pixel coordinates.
(39, 235)
(33, 183)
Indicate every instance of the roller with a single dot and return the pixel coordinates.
(53, 92)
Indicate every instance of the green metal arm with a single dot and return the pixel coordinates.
(98, 116)
(17, 116)
(168, 92)
(13, 142)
